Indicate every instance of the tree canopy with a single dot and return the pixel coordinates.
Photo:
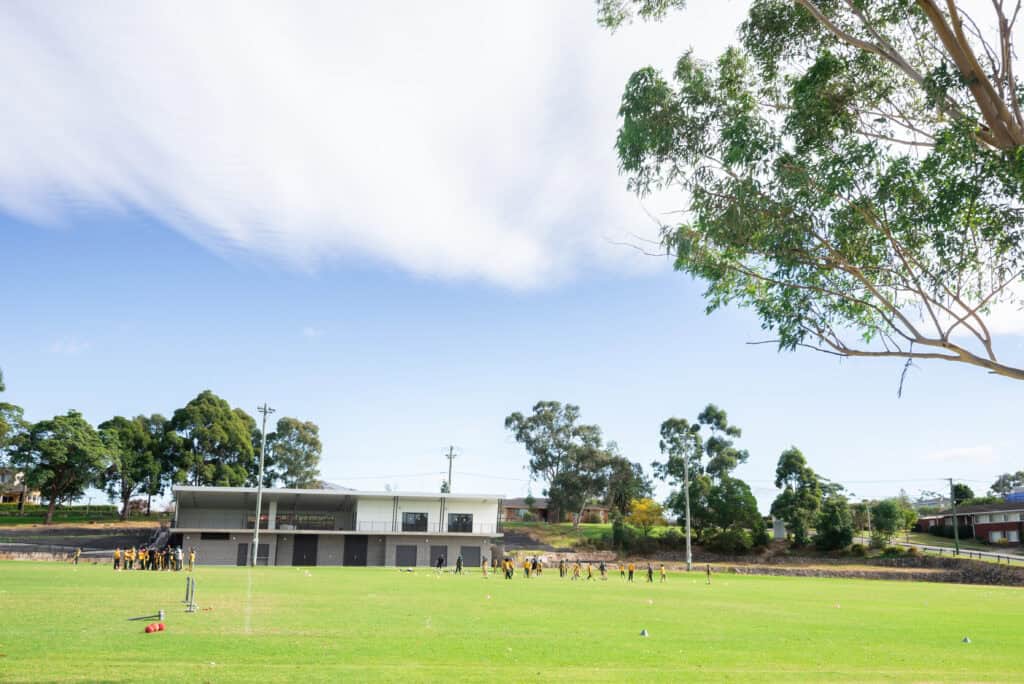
(215, 442)
(293, 453)
(133, 456)
(1007, 482)
(800, 499)
(852, 172)
(61, 457)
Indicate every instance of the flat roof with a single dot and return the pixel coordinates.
(333, 493)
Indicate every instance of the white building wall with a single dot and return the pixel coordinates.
(485, 514)
(371, 514)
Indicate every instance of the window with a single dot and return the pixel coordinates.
(460, 522)
(297, 520)
(1013, 536)
(414, 522)
(982, 519)
(995, 536)
(214, 536)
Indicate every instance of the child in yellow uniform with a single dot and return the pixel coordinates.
(117, 558)
(622, 571)
(662, 572)
(191, 559)
(631, 568)
(129, 558)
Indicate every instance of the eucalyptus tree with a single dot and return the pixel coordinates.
(852, 171)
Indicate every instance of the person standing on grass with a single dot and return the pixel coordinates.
(709, 573)
(631, 568)
(458, 565)
(590, 572)
(178, 559)
(191, 558)
(483, 567)
(561, 568)
(77, 554)
(603, 569)
(575, 571)
(650, 574)
(663, 575)
(117, 558)
(622, 571)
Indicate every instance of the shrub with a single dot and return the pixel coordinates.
(834, 525)
(913, 551)
(672, 539)
(879, 540)
(760, 536)
(858, 550)
(730, 540)
(893, 552)
(592, 518)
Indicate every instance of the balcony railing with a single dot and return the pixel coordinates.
(434, 528)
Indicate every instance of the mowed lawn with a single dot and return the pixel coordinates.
(62, 623)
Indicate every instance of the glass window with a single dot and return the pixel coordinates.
(460, 522)
(414, 522)
(982, 518)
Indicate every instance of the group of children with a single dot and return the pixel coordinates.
(144, 558)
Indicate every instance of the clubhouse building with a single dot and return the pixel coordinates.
(336, 526)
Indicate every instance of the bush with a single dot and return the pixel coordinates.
(893, 552)
(858, 550)
(913, 551)
(834, 529)
(760, 536)
(672, 539)
(730, 540)
(879, 540)
(592, 518)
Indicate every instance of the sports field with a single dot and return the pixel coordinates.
(61, 623)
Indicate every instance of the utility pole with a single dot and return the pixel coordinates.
(956, 521)
(451, 457)
(265, 410)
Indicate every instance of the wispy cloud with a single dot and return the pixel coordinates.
(454, 140)
(68, 346)
(984, 453)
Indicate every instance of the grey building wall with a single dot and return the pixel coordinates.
(285, 547)
(424, 543)
(376, 551)
(213, 518)
(330, 549)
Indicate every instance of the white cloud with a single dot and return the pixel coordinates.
(68, 346)
(984, 453)
(455, 140)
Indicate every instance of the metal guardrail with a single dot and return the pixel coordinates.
(968, 553)
(388, 526)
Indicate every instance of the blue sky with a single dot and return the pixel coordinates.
(369, 229)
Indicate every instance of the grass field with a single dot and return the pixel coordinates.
(62, 623)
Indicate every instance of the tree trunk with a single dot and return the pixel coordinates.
(50, 509)
(125, 500)
(149, 504)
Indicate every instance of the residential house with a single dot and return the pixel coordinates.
(514, 510)
(12, 486)
(993, 523)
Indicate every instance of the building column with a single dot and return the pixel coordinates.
(272, 515)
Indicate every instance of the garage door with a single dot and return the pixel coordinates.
(438, 552)
(470, 555)
(405, 555)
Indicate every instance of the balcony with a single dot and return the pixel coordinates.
(433, 528)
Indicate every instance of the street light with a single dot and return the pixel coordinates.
(265, 410)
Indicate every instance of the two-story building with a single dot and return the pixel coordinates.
(335, 526)
(13, 488)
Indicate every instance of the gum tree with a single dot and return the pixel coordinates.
(852, 171)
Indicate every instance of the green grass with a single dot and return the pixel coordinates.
(371, 624)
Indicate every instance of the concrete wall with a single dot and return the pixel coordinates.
(213, 518)
(330, 549)
(423, 544)
(375, 550)
(285, 546)
(214, 551)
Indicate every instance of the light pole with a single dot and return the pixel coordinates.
(265, 410)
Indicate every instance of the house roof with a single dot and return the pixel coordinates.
(222, 495)
(983, 508)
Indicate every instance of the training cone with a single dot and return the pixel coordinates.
(643, 632)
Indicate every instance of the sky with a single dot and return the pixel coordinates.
(403, 221)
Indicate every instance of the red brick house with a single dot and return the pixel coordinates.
(516, 509)
(994, 523)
